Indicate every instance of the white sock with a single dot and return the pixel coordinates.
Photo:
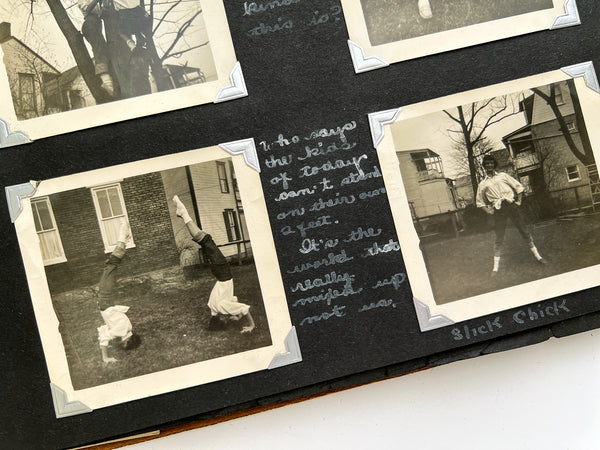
(181, 211)
(124, 235)
(535, 252)
(496, 264)
(425, 9)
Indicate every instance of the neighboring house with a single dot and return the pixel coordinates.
(428, 191)
(75, 93)
(33, 81)
(211, 188)
(77, 229)
(544, 163)
(37, 87)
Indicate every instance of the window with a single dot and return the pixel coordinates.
(222, 172)
(571, 126)
(110, 210)
(45, 227)
(573, 173)
(27, 95)
(231, 225)
(558, 95)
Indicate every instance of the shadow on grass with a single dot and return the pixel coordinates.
(461, 268)
(170, 316)
(396, 20)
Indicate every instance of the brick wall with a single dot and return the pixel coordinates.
(80, 234)
(554, 150)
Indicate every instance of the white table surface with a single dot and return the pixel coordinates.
(545, 396)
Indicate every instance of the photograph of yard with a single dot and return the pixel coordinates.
(165, 277)
(535, 146)
(390, 21)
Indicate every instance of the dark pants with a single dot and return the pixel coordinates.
(501, 216)
(92, 31)
(131, 66)
(108, 283)
(219, 266)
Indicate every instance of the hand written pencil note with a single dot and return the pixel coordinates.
(327, 197)
(275, 16)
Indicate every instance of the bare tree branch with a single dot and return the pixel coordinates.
(178, 54)
(180, 34)
(164, 16)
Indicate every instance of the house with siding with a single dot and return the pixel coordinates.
(431, 196)
(36, 86)
(429, 192)
(77, 229)
(210, 191)
(545, 164)
(33, 81)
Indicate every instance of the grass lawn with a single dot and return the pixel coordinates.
(460, 268)
(395, 20)
(171, 317)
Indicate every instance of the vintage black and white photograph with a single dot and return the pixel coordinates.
(67, 55)
(501, 191)
(406, 29)
(156, 271)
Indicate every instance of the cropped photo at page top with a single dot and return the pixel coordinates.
(67, 65)
(154, 276)
(503, 179)
(383, 32)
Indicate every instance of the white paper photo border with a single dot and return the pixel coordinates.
(229, 85)
(431, 315)
(284, 349)
(367, 57)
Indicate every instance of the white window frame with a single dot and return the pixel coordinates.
(572, 126)
(224, 188)
(58, 259)
(232, 225)
(108, 248)
(569, 179)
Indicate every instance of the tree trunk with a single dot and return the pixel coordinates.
(580, 122)
(78, 49)
(469, 145)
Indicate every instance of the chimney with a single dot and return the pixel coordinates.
(4, 32)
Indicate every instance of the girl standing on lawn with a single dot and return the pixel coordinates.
(222, 302)
(116, 323)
